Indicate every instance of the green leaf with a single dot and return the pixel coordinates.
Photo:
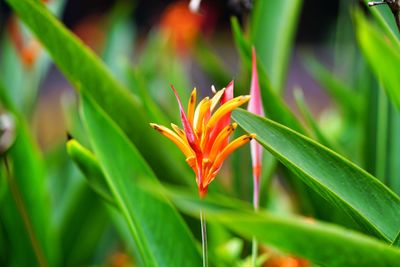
(396, 241)
(343, 95)
(89, 166)
(152, 220)
(384, 16)
(278, 19)
(87, 73)
(120, 39)
(382, 55)
(25, 210)
(305, 111)
(322, 243)
(94, 176)
(339, 181)
(85, 216)
(275, 108)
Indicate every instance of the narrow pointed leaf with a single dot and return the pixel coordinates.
(339, 181)
(89, 166)
(25, 205)
(145, 214)
(382, 55)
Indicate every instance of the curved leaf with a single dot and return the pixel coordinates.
(322, 243)
(338, 180)
(89, 166)
(151, 219)
(382, 55)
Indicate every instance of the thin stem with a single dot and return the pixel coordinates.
(204, 237)
(256, 205)
(254, 252)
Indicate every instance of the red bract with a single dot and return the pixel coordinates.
(204, 139)
(256, 107)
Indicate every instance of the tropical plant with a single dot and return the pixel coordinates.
(119, 194)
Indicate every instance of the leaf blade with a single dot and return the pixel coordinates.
(338, 180)
(123, 167)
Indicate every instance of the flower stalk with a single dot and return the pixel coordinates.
(255, 106)
(204, 245)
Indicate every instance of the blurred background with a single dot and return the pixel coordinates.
(148, 45)
(90, 20)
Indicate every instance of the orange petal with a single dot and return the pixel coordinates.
(220, 140)
(174, 138)
(199, 115)
(179, 131)
(216, 98)
(191, 105)
(226, 108)
(238, 142)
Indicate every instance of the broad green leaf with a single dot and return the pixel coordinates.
(25, 212)
(322, 243)
(87, 73)
(272, 31)
(89, 166)
(396, 242)
(151, 220)
(339, 181)
(382, 55)
(85, 217)
(25, 208)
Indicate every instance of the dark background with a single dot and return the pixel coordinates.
(315, 18)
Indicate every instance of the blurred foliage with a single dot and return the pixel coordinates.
(117, 194)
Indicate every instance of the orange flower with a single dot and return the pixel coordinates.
(181, 26)
(204, 139)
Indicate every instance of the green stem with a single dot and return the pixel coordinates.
(256, 205)
(204, 237)
(254, 251)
